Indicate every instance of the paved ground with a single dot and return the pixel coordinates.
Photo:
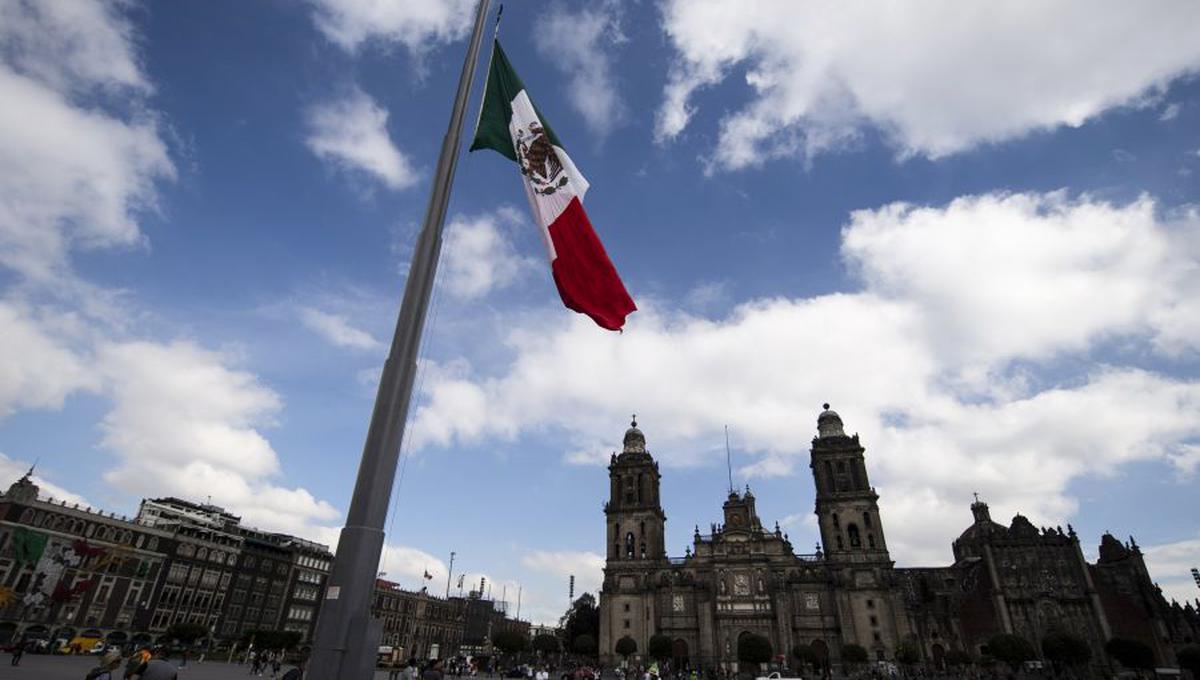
(46, 667)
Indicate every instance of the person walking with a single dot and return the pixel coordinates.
(296, 673)
(434, 671)
(108, 663)
(18, 651)
(410, 669)
(136, 661)
(157, 668)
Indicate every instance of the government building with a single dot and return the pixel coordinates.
(69, 571)
(743, 577)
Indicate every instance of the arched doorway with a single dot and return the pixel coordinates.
(938, 653)
(679, 655)
(116, 637)
(820, 656)
(37, 633)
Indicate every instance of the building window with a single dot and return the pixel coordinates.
(871, 540)
(627, 623)
(629, 546)
(855, 540)
(867, 520)
(626, 606)
(870, 604)
(876, 636)
(874, 621)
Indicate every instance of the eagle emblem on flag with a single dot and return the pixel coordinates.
(538, 160)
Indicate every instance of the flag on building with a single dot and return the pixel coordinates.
(510, 124)
(28, 545)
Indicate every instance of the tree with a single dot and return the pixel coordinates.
(186, 633)
(1130, 653)
(907, 653)
(626, 647)
(583, 618)
(958, 657)
(509, 641)
(1012, 650)
(805, 655)
(1065, 650)
(1189, 658)
(545, 644)
(584, 645)
(754, 649)
(660, 647)
(853, 654)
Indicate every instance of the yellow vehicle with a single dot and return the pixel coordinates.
(81, 645)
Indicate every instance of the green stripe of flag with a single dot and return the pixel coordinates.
(503, 85)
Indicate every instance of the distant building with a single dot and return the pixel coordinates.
(741, 578)
(417, 624)
(67, 571)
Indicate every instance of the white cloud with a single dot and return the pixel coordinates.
(71, 45)
(708, 296)
(935, 79)
(1170, 112)
(943, 362)
(1170, 565)
(416, 24)
(337, 330)
(75, 175)
(37, 368)
(580, 44)
(183, 420)
(587, 567)
(998, 274)
(351, 133)
(480, 256)
(11, 470)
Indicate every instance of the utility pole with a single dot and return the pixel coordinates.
(450, 575)
(346, 642)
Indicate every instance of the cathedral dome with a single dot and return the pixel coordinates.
(829, 424)
(635, 441)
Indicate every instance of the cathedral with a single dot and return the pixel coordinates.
(743, 577)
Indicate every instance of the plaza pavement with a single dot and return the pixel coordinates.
(48, 667)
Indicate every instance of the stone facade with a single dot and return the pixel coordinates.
(743, 578)
(127, 580)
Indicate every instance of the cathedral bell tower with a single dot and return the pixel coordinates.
(847, 505)
(870, 609)
(636, 522)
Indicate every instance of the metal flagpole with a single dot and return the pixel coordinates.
(346, 641)
(450, 575)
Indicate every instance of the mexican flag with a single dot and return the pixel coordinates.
(511, 124)
(28, 545)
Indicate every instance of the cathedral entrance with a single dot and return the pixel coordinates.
(820, 655)
(679, 655)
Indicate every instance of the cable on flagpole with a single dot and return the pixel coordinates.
(499, 13)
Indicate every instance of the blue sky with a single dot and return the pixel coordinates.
(977, 238)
